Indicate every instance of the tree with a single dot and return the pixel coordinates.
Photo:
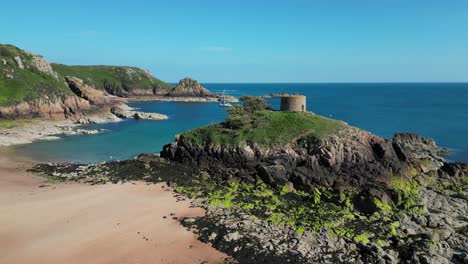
(254, 104)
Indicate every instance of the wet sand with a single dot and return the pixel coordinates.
(77, 223)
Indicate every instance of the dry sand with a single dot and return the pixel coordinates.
(75, 223)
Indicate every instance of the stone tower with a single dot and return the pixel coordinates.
(296, 103)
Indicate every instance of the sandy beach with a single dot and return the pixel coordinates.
(75, 223)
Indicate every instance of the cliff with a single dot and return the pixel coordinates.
(26, 77)
(30, 87)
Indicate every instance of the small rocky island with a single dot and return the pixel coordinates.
(296, 187)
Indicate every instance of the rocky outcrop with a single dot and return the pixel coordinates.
(42, 65)
(350, 157)
(89, 93)
(67, 107)
(189, 87)
(124, 111)
(436, 234)
(85, 100)
(31, 87)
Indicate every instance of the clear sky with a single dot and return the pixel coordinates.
(251, 41)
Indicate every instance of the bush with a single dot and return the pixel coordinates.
(244, 98)
(235, 122)
(240, 116)
(236, 110)
(253, 104)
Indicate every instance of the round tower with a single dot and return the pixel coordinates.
(296, 103)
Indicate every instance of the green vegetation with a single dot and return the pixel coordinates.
(116, 80)
(321, 208)
(29, 84)
(14, 123)
(254, 123)
(25, 85)
(361, 238)
(406, 192)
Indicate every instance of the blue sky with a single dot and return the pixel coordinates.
(251, 41)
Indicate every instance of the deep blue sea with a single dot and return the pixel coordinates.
(437, 110)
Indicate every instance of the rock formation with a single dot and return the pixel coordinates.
(189, 87)
(400, 180)
(350, 157)
(35, 88)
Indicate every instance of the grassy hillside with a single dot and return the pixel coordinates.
(118, 80)
(26, 77)
(265, 127)
(28, 83)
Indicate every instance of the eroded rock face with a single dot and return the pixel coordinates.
(60, 107)
(86, 99)
(42, 65)
(349, 158)
(189, 87)
(89, 93)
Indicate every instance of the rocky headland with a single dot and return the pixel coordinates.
(295, 187)
(30, 87)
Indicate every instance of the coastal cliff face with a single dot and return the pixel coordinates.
(30, 87)
(26, 77)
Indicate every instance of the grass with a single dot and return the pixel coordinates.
(268, 128)
(28, 84)
(113, 77)
(14, 123)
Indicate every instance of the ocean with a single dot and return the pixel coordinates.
(436, 110)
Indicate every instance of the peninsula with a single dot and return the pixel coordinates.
(296, 187)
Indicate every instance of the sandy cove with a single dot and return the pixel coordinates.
(75, 223)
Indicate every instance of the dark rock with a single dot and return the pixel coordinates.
(353, 157)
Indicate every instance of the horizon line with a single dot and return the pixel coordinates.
(360, 82)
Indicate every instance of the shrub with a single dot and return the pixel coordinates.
(235, 122)
(254, 104)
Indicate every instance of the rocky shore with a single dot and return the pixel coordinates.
(28, 131)
(308, 190)
(32, 130)
(255, 223)
(35, 89)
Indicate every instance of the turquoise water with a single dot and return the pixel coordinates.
(435, 110)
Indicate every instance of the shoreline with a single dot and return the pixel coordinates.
(110, 223)
(45, 129)
(30, 130)
(179, 99)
